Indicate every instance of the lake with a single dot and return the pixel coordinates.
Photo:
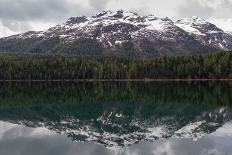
(116, 118)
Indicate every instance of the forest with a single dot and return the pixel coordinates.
(71, 67)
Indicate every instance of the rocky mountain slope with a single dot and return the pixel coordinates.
(122, 33)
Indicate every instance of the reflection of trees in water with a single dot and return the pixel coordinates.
(111, 113)
(215, 93)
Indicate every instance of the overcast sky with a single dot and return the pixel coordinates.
(18, 16)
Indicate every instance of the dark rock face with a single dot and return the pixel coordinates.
(76, 20)
(112, 29)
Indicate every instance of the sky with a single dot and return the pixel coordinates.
(17, 16)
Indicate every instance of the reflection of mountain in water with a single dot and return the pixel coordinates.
(119, 114)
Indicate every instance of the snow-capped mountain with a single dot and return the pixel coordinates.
(206, 32)
(112, 28)
(122, 33)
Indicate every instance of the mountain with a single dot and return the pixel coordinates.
(206, 32)
(122, 34)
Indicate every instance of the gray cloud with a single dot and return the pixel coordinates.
(17, 15)
(194, 8)
(99, 4)
(225, 9)
(206, 8)
(32, 9)
(16, 25)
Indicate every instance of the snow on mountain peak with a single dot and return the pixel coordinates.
(197, 26)
(205, 32)
(120, 16)
(192, 21)
(120, 21)
(115, 27)
(116, 14)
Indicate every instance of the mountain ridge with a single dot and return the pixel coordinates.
(124, 34)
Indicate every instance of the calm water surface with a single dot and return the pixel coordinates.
(159, 118)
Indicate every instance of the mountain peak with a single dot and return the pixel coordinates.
(115, 14)
(192, 21)
(76, 20)
(114, 29)
(197, 18)
(198, 26)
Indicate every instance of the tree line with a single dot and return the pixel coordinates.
(71, 67)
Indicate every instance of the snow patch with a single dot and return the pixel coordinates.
(190, 131)
(189, 29)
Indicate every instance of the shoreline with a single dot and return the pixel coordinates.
(118, 80)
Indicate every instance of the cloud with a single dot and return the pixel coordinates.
(17, 15)
(206, 8)
(195, 8)
(99, 4)
(16, 25)
(32, 9)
